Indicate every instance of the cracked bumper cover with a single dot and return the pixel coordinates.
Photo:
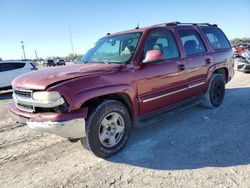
(70, 125)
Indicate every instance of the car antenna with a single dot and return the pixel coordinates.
(137, 27)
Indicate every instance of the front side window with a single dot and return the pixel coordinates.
(216, 38)
(164, 41)
(191, 42)
(113, 49)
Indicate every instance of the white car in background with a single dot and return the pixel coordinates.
(11, 69)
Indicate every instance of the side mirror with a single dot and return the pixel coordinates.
(153, 56)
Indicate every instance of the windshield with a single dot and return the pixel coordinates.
(113, 49)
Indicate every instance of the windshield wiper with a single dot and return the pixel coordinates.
(104, 62)
(99, 61)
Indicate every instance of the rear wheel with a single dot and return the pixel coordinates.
(107, 128)
(216, 91)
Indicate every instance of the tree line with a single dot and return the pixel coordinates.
(239, 40)
(70, 57)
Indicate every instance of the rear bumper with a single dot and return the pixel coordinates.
(70, 125)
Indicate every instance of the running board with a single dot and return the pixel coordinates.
(167, 112)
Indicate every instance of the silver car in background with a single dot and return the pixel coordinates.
(243, 61)
(10, 69)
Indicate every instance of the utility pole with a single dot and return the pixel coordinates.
(36, 55)
(71, 42)
(23, 49)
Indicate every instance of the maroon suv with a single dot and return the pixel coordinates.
(128, 79)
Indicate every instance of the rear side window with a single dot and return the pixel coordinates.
(216, 38)
(191, 42)
(164, 41)
(10, 66)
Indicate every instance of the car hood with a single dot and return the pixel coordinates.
(40, 80)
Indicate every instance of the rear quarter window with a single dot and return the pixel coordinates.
(216, 38)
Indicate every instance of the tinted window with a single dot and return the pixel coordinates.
(10, 66)
(164, 41)
(192, 42)
(216, 38)
(51, 62)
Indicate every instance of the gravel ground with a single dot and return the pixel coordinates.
(196, 148)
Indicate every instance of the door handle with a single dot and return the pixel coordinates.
(181, 67)
(208, 61)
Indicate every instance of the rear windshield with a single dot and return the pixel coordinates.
(217, 38)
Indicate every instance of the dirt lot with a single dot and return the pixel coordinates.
(197, 148)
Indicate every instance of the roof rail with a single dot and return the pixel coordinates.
(167, 24)
(207, 24)
(180, 23)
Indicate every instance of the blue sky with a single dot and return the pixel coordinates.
(43, 25)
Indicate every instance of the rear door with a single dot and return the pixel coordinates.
(197, 59)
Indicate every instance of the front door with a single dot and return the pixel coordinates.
(161, 84)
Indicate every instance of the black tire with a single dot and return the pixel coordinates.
(94, 125)
(216, 91)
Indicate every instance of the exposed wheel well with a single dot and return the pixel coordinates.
(121, 97)
(222, 71)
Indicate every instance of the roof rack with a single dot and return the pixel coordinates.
(180, 23)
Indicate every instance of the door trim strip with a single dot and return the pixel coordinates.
(195, 85)
(173, 92)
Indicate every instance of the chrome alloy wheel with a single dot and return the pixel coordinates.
(111, 129)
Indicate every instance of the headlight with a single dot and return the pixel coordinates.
(46, 96)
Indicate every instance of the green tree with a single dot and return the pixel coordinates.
(239, 40)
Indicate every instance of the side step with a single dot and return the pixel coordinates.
(167, 112)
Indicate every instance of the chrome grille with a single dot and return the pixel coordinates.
(27, 108)
(23, 93)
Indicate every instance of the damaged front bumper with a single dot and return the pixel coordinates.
(68, 125)
(242, 64)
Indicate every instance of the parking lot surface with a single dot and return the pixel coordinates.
(197, 148)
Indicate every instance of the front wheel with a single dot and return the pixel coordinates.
(216, 91)
(107, 128)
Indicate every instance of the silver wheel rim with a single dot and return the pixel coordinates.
(111, 129)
